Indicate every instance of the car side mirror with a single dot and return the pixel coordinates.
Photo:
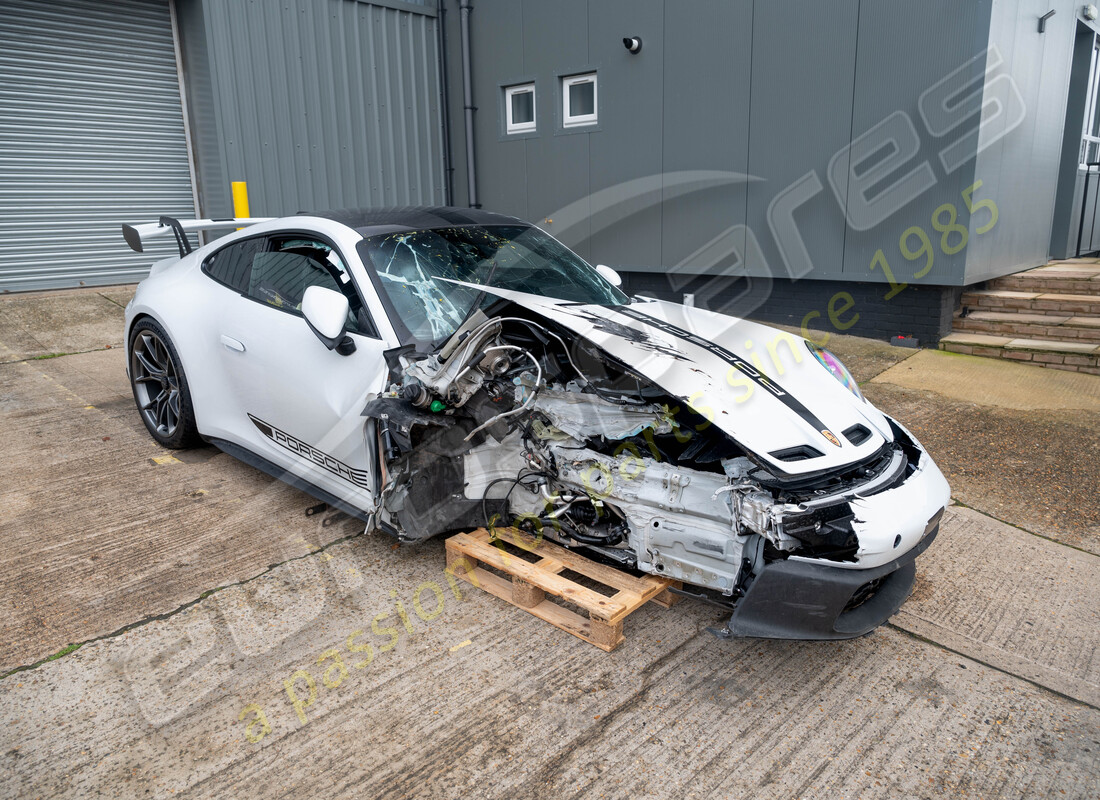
(326, 314)
(609, 275)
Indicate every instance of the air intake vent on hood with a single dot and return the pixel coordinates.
(857, 434)
(801, 452)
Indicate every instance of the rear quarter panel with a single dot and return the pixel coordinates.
(186, 304)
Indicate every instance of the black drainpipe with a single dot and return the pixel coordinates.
(468, 99)
(444, 100)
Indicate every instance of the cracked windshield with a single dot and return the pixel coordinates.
(517, 257)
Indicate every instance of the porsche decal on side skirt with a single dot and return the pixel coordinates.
(359, 477)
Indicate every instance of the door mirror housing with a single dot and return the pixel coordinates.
(609, 275)
(326, 314)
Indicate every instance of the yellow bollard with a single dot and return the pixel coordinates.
(240, 200)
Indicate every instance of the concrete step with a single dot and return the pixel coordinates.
(1048, 303)
(1025, 282)
(1021, 324)
(1070, 356)
(1058, 277)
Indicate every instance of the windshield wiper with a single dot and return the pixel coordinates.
(480, 295)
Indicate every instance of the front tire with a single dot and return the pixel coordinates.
(160, 387)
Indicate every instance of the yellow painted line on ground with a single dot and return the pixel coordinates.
(459, 646)
(162, 460)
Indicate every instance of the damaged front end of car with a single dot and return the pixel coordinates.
(732, 457)
(537, 415)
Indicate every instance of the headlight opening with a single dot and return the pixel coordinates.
(836, 368)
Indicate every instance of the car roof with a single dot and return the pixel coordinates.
(371, 221)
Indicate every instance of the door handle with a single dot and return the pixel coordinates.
(232, 343)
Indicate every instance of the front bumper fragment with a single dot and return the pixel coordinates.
(804, 600)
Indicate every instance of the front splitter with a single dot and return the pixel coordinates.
(803, 600)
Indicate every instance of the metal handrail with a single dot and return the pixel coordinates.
(1084, 207)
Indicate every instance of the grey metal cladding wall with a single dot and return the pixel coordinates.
(1067, 210)
(803, 65)
(325, 104)
(1020, 171)
(558, 173)
(501, 160)
(212, 187)
(629, 148)
(680, 106)
(91, 135)
(707, 54)
(778, 91)
(508, 46)
(906, 49)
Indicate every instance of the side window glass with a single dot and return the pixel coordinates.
(232, 265)
(281, 276)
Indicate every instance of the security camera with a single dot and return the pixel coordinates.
(632, 43)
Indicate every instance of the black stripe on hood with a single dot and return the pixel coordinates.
(738, 363)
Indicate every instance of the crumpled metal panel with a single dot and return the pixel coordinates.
(584, 416)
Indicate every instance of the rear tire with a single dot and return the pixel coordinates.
(160, 387)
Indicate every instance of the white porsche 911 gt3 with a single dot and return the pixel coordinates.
(439, 369)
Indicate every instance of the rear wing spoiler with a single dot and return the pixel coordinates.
(137, 235)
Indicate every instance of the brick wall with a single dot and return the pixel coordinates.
(859, 309)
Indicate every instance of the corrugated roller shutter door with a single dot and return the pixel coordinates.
(91, 136)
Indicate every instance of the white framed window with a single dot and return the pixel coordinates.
(578, 100)
(519, 108)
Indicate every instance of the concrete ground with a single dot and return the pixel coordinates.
(224, 621)
(1015, 441)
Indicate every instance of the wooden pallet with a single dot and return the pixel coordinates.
(468, 555)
